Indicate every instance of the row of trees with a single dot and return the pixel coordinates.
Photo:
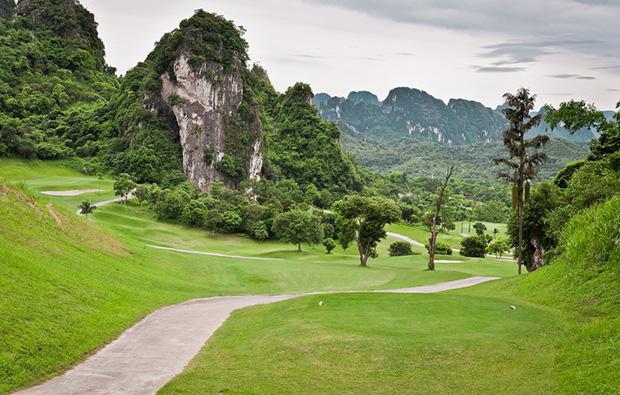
(539, 215)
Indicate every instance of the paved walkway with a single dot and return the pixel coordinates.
(149, 354)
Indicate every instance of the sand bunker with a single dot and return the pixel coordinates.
(74, 192)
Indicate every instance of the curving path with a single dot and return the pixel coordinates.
(152, 352)
(405, 238)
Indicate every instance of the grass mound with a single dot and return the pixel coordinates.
(66, 288)
(585, 278)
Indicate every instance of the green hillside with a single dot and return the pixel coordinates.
(562, 336)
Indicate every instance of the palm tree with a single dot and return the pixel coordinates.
(524, 156)
(86, 208)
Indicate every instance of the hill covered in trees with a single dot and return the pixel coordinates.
(193, 109)
(413, 114)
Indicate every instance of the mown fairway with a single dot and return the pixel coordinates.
(377, 343)
(70, 287)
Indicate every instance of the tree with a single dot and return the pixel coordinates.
(498, 248)
(474, 246)
(329, 245)
(441, 248)
(298, 226)
(480, 228)
(576, 115)
(86, 208)
(259, 231)
(438, 204)
(362, 219)
(524, 156)
(123, 186)
(194, 213)
(400, 248)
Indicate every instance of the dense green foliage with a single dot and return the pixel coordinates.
(362, 220)
(474, 246)
(400, 248)
(305, 148)
(54, 84)
(577, 187)
(298, 226)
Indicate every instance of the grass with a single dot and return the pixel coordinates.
(563, 337)
(69, 287)
(380, 344)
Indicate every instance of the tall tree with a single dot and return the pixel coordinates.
(438, 203)
(362, 219)
(524, 156)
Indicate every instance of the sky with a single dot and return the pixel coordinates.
(472, 49)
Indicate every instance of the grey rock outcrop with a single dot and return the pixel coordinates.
(204, 101)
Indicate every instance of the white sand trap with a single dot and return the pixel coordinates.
(73, 192)
(447, 261)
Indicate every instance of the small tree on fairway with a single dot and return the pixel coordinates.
(362, 219)
(298, 226)
(86, 208)
(480, 228)
(498, 248)
(438, 203)
(524, 156)
(123, 185)
(329, 245)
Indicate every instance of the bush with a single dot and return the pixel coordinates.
(400, 248)
(474, 246)
(441, 248)
(231, 222)
(329, 245)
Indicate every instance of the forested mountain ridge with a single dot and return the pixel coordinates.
(409, 113)
(54, 82)
(192, 110)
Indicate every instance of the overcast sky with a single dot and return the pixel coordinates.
(473, 49)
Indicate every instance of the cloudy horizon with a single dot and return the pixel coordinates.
(477, 50)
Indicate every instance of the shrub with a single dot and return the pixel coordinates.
(231, 222)
(195, 213)
(441, 248)
(474, 246)
(329, 245)
(400, 248)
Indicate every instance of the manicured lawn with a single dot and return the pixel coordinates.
(41, 176)
(66, 289)
(380, 344)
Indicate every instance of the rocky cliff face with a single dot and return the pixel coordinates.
(191, 106)
(203, 108)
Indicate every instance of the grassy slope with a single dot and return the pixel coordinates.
(66, 291)
(562, 338)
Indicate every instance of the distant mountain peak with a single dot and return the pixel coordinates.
(364, 97)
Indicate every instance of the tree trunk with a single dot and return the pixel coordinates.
(520, 223)
(433, 240)
(363, 254)
(298, 247)
(432, 247)
(364, 260)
